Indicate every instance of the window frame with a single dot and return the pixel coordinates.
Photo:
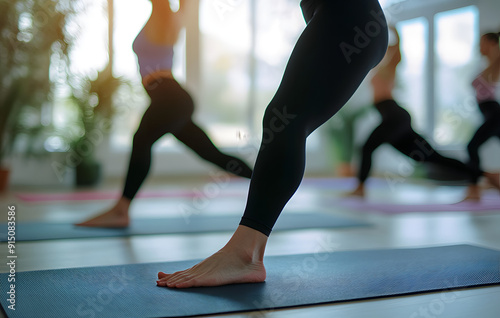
(428, 10)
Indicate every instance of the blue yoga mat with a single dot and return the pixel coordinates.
(295, 280)
(194, 224)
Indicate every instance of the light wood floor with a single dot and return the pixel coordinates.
(395, 231)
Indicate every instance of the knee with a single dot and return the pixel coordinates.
(367, 150)
(141, 139)
(277, 118)
(433, 157)
(280, 122)
(472, 148)
(138, 137)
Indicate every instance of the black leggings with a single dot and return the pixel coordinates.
(327, 65)
(170, 111)
(490, 128)
(396, 130)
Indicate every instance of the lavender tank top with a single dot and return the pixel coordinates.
(152, 57)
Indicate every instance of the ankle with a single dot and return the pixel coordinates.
(248, 244)
(121, 207)
(123, 203)
(360, 190)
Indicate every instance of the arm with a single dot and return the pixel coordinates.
(182, 7)
(394, 51)
(495, 70)
(391, 59)
(181, 14)
(492, 72)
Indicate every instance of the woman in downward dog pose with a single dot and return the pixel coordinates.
(396, 129)
(485, 86)
(170, 111)
(342, 42)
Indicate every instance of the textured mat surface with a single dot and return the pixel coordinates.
(294, 280)
(193, 224)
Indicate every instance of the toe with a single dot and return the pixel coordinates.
(163, 275)
(180, 280)
(82, 224)
(186, 284)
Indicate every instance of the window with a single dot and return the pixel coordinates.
(243, 58)
(277, 29)
(411, 90)
(456, 43)
(222, 108)
(88, 55)
(437, 89)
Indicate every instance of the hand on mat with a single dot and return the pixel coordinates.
(240, 261)
(116, 217)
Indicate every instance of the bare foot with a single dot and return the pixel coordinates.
(240, 261)
(493, 179)
(358, 192)
(116, 217)
(222, 268)
(473, 194)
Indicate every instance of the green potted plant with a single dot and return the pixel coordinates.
(341, 132)
(96, 107)
(31, 35)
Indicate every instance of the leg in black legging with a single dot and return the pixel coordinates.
(171, 108)
(395, 122)
(380, 135)
(416, 147)
(162, 117)
(318, 81)
(197, 140)
(487, 130)
(170, 112)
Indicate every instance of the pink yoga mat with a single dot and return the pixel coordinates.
(488, 203)
(37, 197)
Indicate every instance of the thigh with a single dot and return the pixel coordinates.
(380, 135)
(167, 114)
(413, 145)
(320, 76)
(487, 130)
(194, 137)
(497, 125)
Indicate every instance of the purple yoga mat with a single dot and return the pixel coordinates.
(488, 203)
(343, 183)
